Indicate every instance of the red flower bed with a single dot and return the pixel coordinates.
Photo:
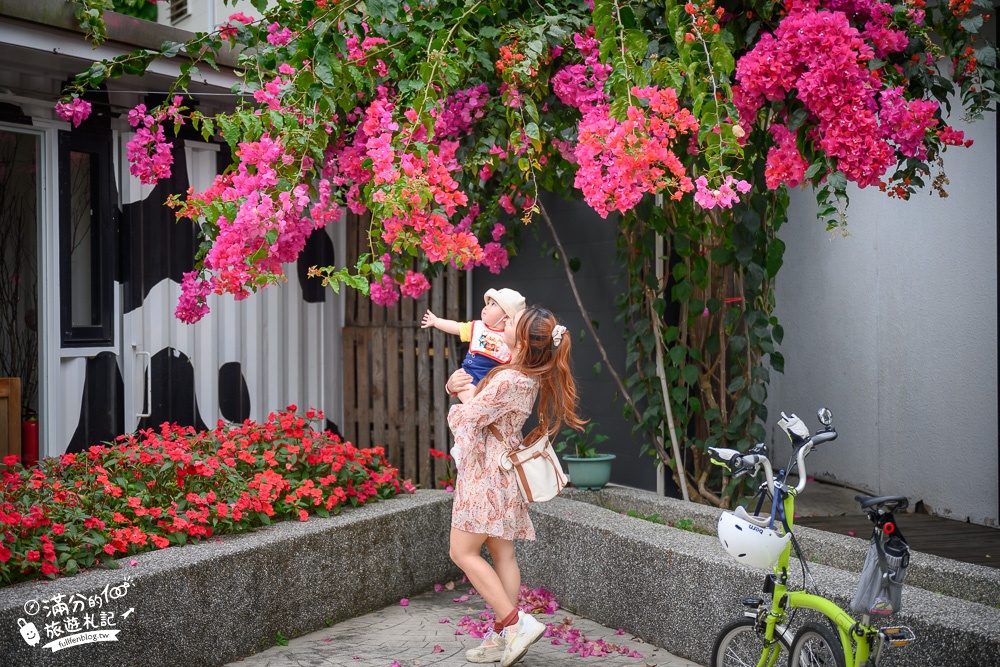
(154, 489)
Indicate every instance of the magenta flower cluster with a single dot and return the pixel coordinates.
(621, 160)
(75, 111)
(272, 221)
(821, 59)
(150, 155)
(582, 85)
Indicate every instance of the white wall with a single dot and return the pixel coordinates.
(894, 328)
(204, 15)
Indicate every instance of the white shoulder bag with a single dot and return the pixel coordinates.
(539, 474)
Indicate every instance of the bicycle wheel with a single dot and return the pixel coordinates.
(740, 644)
(816, 645)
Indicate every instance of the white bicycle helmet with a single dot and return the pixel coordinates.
(748, 539)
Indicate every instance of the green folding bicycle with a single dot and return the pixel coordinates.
(764, 633)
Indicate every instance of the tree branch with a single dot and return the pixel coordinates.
(660, 450)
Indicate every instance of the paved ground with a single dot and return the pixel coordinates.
(426, 632)
(415, 636)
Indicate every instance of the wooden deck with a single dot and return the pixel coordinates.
(957, 540)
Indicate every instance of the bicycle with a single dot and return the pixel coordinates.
(764, 631)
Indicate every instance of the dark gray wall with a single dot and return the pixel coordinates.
(543, 282)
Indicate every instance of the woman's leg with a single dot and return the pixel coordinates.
(466, 549)
(505, 564)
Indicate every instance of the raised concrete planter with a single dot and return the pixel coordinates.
(215, 602)
(676, 588)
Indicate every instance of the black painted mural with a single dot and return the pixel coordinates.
(101, 414)
(154, 246)
(234, 397)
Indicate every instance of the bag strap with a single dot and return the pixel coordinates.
(496, 433)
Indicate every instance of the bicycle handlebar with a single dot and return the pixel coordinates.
(741, 463)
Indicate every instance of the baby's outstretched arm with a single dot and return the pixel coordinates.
(432, 320)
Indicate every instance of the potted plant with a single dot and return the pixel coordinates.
(587, 468)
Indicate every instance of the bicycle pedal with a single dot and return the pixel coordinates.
(899, 635)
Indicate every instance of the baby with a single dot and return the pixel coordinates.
(485, 336)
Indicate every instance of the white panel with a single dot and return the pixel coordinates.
(72, 376)
(894, 328)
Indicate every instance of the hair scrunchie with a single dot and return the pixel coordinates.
(557, 334)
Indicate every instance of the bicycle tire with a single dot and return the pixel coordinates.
(816, 645)
(740, 644)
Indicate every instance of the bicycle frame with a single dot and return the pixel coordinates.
(850, 630)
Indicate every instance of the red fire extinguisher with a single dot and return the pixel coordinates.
(29, 441)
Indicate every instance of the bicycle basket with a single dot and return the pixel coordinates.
(749, 540)
(880, 590)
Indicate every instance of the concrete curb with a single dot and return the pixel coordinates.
(676, 588)
(965, 581)
(217, 601)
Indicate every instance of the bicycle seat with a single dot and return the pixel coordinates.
(897, 502)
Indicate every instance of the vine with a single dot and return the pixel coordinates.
(443, 121)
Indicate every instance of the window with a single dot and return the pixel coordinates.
(178, 11)
(87, 228)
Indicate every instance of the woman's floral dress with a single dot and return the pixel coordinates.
(487, 500)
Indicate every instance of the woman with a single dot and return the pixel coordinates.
(488, 508)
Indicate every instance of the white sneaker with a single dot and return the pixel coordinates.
(519, 637)
(490, 650)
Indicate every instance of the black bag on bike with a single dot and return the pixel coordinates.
(880, 590)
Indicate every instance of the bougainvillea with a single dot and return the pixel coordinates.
(443, 121)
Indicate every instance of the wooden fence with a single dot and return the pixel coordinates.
(395, 372)
(10, 416)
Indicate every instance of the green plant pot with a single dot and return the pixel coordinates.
(589, 473)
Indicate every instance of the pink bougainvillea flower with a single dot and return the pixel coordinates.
(404, 602)
(75, 111)
(437, 649)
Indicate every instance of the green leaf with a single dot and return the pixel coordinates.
(795, 120)
(602, 19)
(531, 130)
(690, 374)
(677, 354)
(636, 44)
(777, 361)
(987, 55)
(682, 291)
(736, 384)
(814, 169)
(972, 24)
(722, 57)
(382, 9)
(777, 333)
(170, 49)
(838, 181)
(323, 67)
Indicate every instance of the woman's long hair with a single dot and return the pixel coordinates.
(539, 357)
